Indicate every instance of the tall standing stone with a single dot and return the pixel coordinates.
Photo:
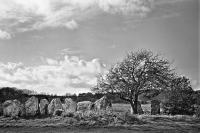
(102, 104)
(31, 106)
(43, 106)
(54, 105)
(69, 105)
(155, 107)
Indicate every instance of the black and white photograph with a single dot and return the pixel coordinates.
(99, 66)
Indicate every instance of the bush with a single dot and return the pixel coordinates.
(58, 112)
(197, 112)
(179, 103)
(180, 99)
(70, 121)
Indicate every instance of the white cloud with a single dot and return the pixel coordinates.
(195, 84)
(4, 35)
(71, 74)
(71, 25)
(69, 51)
(25, 15)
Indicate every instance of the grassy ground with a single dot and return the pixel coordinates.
(90, 130)
(118, 107)
(101, 122)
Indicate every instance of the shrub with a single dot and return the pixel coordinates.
(70, 121)
(58, 112)
(197, 113)
(180, 98)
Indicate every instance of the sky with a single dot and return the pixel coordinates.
(60, 46)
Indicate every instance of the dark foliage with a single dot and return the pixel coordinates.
(8, 93)
(181, 99)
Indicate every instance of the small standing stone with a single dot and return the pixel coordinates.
(85, 106)
(155, 107)
(43, 106)
(102, 103)
(139, 107)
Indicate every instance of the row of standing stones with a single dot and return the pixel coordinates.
(33, 107)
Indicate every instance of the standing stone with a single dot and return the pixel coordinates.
(155, 107)
(43, 106)
(13, 108)
(102, 104)
(85, 106)
(69, 106)
(54, 105)
(139, 107)
(31, 106)
(162, 108)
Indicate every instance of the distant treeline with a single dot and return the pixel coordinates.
(8, 93)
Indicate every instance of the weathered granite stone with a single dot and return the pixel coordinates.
(85, 106)
(69, 106)
(31, 106)
(155, 107)
(102, 104)
(54, 105)
(43, 106)
(13, 108)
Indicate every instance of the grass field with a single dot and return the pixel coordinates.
(103, 122)
(118, 107)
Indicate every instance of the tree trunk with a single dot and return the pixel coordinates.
(136, 104)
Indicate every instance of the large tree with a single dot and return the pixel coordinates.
(137, 73)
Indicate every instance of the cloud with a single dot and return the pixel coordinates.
(24, 15)
(113, 46)
(69, 51)
(4, 35)
(195, 84)
(69, 74)
(163, 2)
(72, 25)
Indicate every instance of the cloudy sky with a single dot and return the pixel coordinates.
(59, 46)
